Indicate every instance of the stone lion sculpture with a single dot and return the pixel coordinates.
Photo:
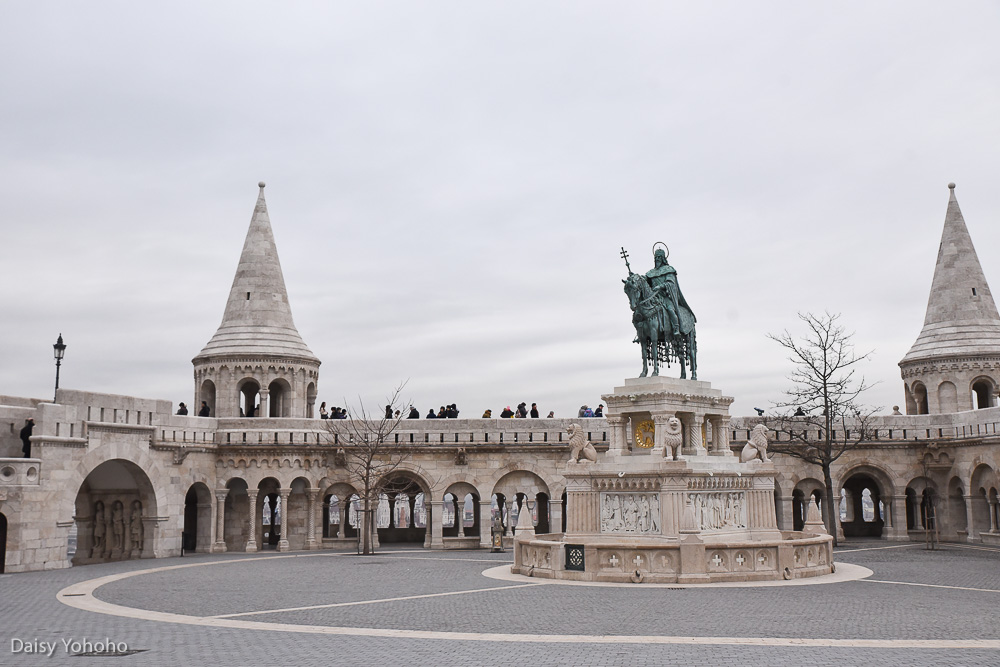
(579, 447)
(673, 437)
(756, 447)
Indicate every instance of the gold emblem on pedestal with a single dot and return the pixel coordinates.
(644, 434)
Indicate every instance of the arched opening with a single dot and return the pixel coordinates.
(236, 531)
(207, 394)
(405, 503)
(337, 512)
(3, 542)
(515, 487)
(353, 517)
(279, 399)
(928, 509)
(332, 519)
(449, 516)
(864, 515)
(919, 501)
(540, 515)
(920, 398)
(197, 533)
(957, 518)
(947, 398)
(112, 510)
(310, 400)
(269, 514)
(460, 515)
(983, 479)
(470, 515)
(249, 398)
(798, 510)
(982, 394)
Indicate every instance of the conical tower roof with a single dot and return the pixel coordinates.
(962, 318)
(258, 319)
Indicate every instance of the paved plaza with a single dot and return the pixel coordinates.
(410, 606)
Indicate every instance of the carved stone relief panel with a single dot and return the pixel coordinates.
(719, 510)
(630, 513)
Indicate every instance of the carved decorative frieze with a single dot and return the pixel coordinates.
(719, 510)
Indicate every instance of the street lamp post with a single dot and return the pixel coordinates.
(59, 349)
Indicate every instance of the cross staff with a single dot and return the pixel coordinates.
(624, 255)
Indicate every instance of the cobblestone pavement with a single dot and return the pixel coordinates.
(913, 596)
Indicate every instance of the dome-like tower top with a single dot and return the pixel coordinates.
(962, 318)
(258, 319)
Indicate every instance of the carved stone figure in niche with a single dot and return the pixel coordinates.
(718, 511)
(461, 457)
(756, 447)
(630, 513)
(644, 518)
(100, 531)
(118, 526)
(579, 446)
(673, 438)
(136, 527)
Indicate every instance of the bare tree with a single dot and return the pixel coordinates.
(367, 449)
(821, 416)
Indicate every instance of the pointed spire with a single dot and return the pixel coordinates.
(258, 319)
(962, 318)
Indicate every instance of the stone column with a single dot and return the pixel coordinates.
(720, 436)
(264, 393)
(343, 513)
(970, 527)
(507, 528)
(252, 538)
(311, 518)
(219, 547)
(616, 424)
(787, 513)
(485, 523)
(692, 429)
(437, 526)
(993, 516)
(555, 516)
(283, 538)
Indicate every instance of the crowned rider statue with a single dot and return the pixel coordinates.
(663, 279)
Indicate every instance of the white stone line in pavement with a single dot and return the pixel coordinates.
(450, 560)
(974, 547)
(895, 546)
(361, 602)
(845, 572)
(912, 583)
(81, 596)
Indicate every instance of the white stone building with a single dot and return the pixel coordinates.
(127, 478)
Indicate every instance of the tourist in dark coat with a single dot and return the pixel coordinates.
(534, 411)
(431, 414)
(29, 424)
(182, 409)
(507, 412)
(205, 410)
(414, 413)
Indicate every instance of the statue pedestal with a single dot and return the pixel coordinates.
(640, 515)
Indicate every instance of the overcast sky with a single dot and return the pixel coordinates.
(449, 184)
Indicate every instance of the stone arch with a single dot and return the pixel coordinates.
(921, 503)
(983, 390)
(518, 486)
(409, 487)
(466, 498)
(279, 398)
(196, 535)
(248, 391)
(868, 490)
(206, 393)
(310, 399)
(957, 516)
(268, 513)
(295, 517)
(236, 518)
(805, 490)
(982, 481)
(919, 397)
(947, 397)
(114, 504)
(336, 509)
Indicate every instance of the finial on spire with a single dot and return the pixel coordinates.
(261, 185)
(951, 186)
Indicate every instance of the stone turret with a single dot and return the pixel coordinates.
(954, 364)
(257, 356)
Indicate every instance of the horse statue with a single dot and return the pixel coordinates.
(656, 317)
